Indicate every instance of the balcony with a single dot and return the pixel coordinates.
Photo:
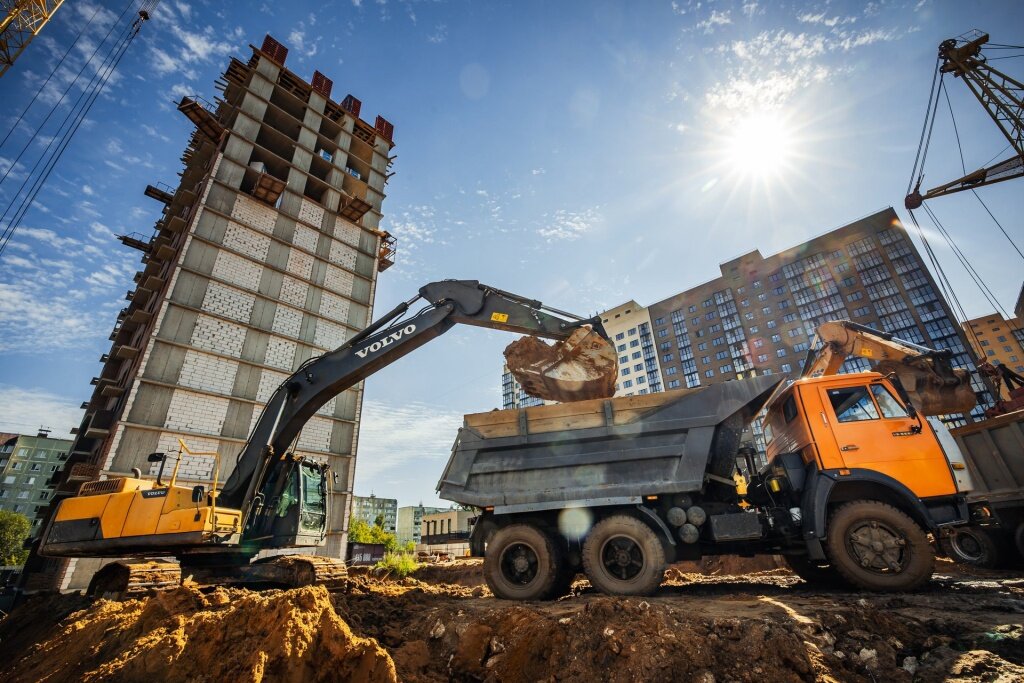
(100, 424)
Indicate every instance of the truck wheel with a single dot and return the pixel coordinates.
(815, 573)
(623, 556)
(972, 546)
(522, 563)
(877, 547)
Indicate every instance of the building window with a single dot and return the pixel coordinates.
(710, 315)
(705, 359)
(763, 358)
(781, 353)
(638, 367)
(673, 384)
(634, 343)
(783, 305)
(718, 341)
(770, 324)
(703, 346)
(637, 355)
(779, 291)
(632, 332)
(1001, 338)
(753, 329)
(721, 355)
(671, 370)
(620, 348)
(663, 332)
(802, 346)
(709, 373)
(855, 296)
(707, 303)
(692, 308)
(757, 284)
(666, 358)
(796, 331)
(766, 310)
(774, 277)
(776, 338)
(786, 367)
(758, 343)
(623, 359)
(640, 380)
(762, 297)
(625, 371)
(860, 312)
(620, 336)
(627, 384)
(849, 281)
(659, 321)
(789, 317)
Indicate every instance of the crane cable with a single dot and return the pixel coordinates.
(71, 86)
(963, 166)
(39, 92)
(90, 93)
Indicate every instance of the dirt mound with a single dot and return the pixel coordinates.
(184, 634)
(467, 572)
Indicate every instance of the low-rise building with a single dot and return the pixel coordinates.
(446, 532)
(410, 520)
(997, 340)
(26, 465)
(372, 509)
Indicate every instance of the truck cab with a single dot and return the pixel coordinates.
(842, 438)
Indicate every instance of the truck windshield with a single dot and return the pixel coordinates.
(852, 404)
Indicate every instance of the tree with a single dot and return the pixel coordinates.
(359, 531)
(14, 529)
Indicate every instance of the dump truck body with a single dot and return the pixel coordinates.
(601, 451)
(993, 452)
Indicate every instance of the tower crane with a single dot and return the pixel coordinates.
(22, 21)
(1001, 95)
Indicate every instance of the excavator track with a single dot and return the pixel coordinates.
(296, 571)
(125, 580)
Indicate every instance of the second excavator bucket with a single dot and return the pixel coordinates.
(934, 389)
(581, 367)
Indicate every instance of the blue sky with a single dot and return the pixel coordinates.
(578, 153)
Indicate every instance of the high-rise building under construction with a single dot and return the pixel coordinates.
(266, 255)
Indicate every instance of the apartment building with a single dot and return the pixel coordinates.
(997, 340)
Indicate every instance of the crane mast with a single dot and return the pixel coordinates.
(22, 21)
(1003, 99)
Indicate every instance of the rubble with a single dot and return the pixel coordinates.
(704, 625)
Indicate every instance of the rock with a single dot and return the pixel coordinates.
(869, 658)
(565, 620)
(910, 665)
(438, 630)
(609, 631)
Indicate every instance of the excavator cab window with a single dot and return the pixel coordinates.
(314, 498)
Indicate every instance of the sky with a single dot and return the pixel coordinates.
(580, 153)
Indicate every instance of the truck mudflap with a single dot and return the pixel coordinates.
(931, 514)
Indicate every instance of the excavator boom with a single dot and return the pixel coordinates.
(931, 383)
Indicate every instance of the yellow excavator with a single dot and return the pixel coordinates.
(274, 498)
(930, 382)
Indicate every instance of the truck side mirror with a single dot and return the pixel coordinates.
(156, 457)
(198, 493)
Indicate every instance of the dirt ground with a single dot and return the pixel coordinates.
(722, 620)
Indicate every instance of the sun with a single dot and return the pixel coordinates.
(760, 146)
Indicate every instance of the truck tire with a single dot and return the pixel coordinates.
(816, 573)
(973, 546)
(522, 563)
(623, 556)
(876, 547)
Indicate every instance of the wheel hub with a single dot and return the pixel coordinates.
(519, 563)
(878, 547)
(622, 557)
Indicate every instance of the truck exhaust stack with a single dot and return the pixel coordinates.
(578, 368)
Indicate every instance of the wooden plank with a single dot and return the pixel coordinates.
(568, 416)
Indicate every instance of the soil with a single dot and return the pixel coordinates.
(583, 366)
(720, 620)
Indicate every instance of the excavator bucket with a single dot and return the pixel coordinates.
(934, 389)
(581, 367)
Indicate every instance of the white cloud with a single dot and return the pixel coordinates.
(825, 20)
(714, 20)
(25, 410)
(569, 225)
(393, 436)
(439, 35)
(538, 171)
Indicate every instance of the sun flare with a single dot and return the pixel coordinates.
(761, 146)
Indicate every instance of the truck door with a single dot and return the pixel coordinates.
(873, 431)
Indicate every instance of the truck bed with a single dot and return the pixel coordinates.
(597, 452)
(994, 452)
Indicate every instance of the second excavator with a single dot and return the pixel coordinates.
(275, 499)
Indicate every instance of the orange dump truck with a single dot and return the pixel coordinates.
(856, 487)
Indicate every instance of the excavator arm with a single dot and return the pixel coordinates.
(253, 485)
(931, 383)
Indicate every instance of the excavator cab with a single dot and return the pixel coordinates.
(297, 516)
